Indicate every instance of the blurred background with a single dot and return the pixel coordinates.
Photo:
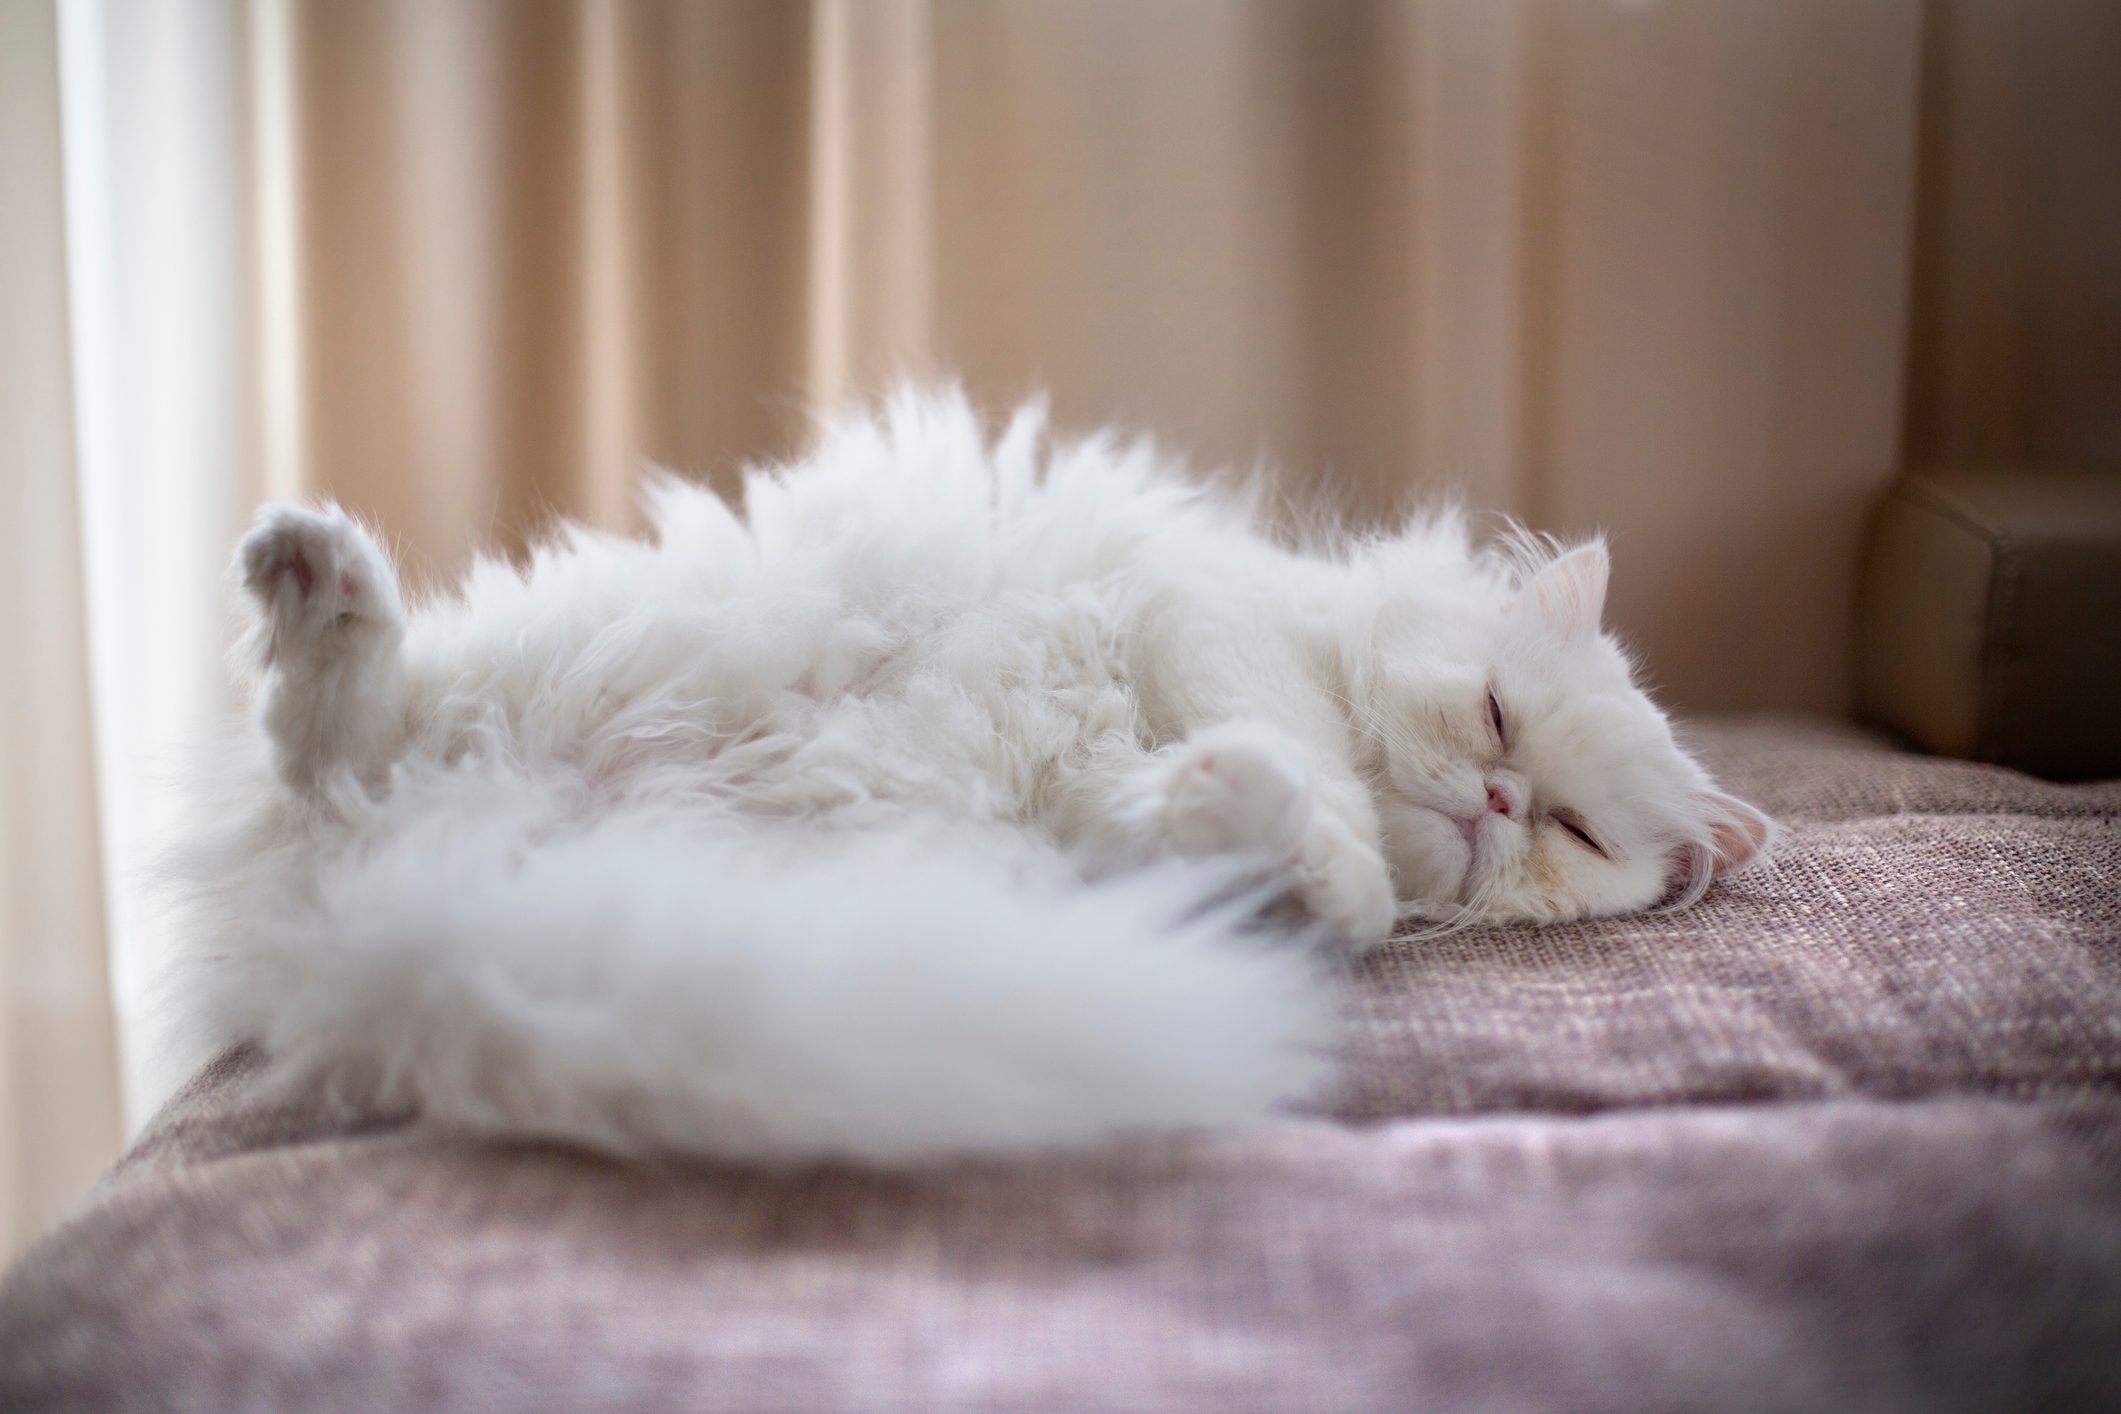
(1701, 273)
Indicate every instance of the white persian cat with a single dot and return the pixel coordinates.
(933, 805)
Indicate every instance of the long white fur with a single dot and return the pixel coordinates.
(928, 807)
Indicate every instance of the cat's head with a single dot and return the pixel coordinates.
(1521, 774)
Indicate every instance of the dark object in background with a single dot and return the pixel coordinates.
(1990, 617)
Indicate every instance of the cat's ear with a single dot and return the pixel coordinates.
(1569, 594)
(1738, 834)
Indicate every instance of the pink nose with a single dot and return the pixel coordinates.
(1499, 801)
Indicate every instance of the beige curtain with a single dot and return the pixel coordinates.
(1635, 266)
(58, 1064)
(466, 264)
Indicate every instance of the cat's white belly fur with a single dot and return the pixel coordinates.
(847, 716)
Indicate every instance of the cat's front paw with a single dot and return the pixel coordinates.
(311, 570)
(1345, 884)
(1237, 788)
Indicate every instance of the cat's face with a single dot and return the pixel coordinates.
(1521, 774)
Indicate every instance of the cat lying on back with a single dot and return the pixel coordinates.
(933, 805)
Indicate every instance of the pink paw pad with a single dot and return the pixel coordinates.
(1237, 793)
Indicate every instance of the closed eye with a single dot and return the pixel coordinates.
(1570, 821)
(1502, 734)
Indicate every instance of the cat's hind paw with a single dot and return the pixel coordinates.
(313, 570)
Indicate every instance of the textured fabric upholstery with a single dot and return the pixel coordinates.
(1846, 1135)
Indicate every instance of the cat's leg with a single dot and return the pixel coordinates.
(1207, 662)
(1238, 788)
(1342, 877)
(324, 642)
(1243, 786)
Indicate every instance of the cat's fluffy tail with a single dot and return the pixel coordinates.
(639, 986)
